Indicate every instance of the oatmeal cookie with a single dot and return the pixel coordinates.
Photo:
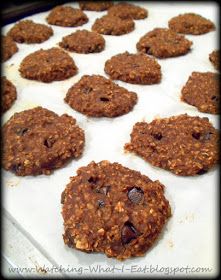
(191, 23)
(112, 25)
(163, 43)
(214, 57)
(97, 96)
(95, 6)
(182, 144)
(9, 94)
(133, 68)
(111, 209)
(202, 91)
(66, 16)
(83, 41)
(48, 65)
(9, 48)
(37, 141)
(126, 10)
(27, 31)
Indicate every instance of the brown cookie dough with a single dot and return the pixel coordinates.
(202, 91)
(97, 96)
(66, 16)
(27, 31)
(126, 10)
(9, 48)
(9, 94)
(214, 57)
(163, 43)
(182, 144)
(36, 141)
(95, 6)
(191, 23)
(48, 65)
(133, 68)
(83, 41)
(111, 25)
(114, 210)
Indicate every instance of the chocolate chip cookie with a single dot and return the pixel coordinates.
(202, 91)
(114, 210)
(48, 65)
(182, 144)
(83, 41)
(95, 6)
(133, 68)
(191, 23)
(9, 94)
(163, 43)
(112, 25)
(214, 57)
(126, 10)
(29, 32)
(97, 96)
(37, 141)
(9, 48)
(66, 16)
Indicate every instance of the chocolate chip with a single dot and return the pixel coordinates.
(101, 203)
(196, 135)
(49, 143)
(21, 131)
(104, 99)
(128, 233)
(16, 167)
(215, 98)
(202, 171)
(135, 195)
(92, 180)
(157, 136)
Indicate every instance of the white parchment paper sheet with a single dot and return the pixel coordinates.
(190, 237)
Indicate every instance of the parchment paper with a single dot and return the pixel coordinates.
(190, 236)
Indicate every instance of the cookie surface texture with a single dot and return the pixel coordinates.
(83, 41)
(126, 10)
(202, 91)
(48, 65)
(67, 17)
(95, 6)
(114, 210)
(112, 25)
(163, 43)
(9, 94)
(214, 57)
(182, 144)
(133, 68)
(97, 96)
(9, 48)
(27, 31)
(191, 23)
(37, 141)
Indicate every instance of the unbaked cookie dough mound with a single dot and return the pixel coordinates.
(111, 209)
(37, 141)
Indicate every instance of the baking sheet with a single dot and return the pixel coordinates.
(190, 236)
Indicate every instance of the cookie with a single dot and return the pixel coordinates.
(133, 68)
(95, 6)
(202, 91)
(126, 10)
(182, 144)
(9, 48)
(96, 96)
(9, 94)
(83, 41)
(191, 23)
(66, 16)
(29, 32)
(37, 141)
(48, 65)
(111, 209)
(214, 57)
(163, 43)
(111, 25)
